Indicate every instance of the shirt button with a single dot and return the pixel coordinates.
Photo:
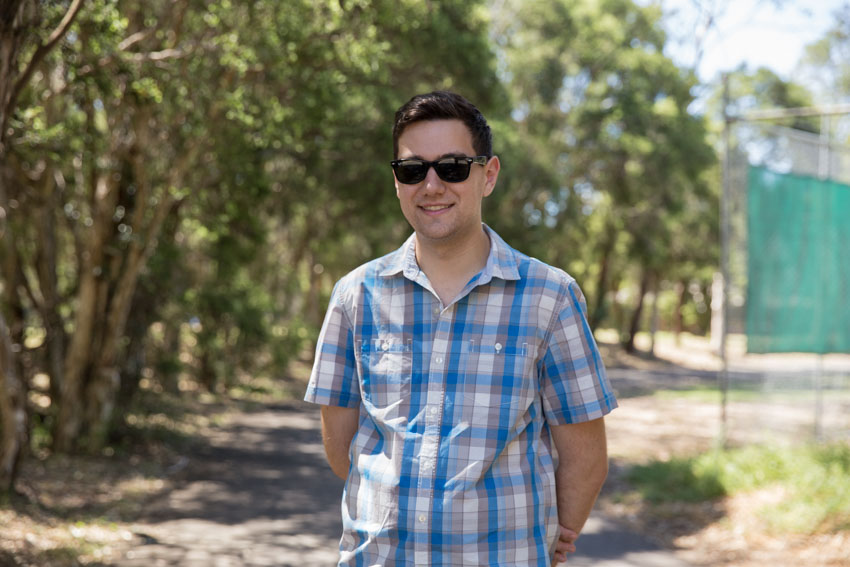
(498, 347)
(439, 360)
(433, 410)
(422, 518)
(385, 346)
(436, 311)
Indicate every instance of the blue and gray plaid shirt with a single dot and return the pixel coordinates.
(452, 463)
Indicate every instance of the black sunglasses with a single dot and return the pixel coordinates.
(450, 169)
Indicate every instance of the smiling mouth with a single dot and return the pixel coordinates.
(434, 208)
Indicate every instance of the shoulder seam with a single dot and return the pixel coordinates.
(566, 280)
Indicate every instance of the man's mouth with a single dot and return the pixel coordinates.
(434, 208)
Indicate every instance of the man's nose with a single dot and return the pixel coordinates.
(433, 183)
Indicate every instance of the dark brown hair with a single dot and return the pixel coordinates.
(444, 105)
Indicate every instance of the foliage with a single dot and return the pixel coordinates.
(762, 88)
(814, 480)
(825, 64)
(190, 178)
(614, 185)
(182, 161)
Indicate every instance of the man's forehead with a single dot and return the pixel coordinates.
(437, 138)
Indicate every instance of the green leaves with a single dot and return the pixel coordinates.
(267, 126)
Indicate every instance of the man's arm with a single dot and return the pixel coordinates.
(582, 469)
(338, 428)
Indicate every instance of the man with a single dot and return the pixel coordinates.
(462, 391)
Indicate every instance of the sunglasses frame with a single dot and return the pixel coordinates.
(480, 160)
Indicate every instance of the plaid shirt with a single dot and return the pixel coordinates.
(452, 462)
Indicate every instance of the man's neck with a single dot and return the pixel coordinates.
(450, 265)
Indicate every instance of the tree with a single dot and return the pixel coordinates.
(21, 29)
(183, 162)
(825, 63)
(610, 111)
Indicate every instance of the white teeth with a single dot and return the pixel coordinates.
(435, 208)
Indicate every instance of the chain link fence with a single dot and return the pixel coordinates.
(785, 397)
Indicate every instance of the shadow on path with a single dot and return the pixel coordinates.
(260, 493)
(606, 543)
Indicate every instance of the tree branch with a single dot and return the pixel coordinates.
(157, 55)
(39, 55)
(135, 38)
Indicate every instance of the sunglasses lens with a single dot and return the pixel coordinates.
(410, 173)
(452, 171)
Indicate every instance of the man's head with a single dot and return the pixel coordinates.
(443, 105)
(444, 168)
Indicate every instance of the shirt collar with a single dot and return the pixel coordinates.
(403, 261)
(501, 262)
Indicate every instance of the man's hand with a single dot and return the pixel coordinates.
(565, 544)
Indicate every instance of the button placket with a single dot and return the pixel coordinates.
(431, 417)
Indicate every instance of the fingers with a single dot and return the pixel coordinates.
(564, 545)
(564, 548)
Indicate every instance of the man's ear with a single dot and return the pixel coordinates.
(491, 174)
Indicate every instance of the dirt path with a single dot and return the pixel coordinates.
(261, 494)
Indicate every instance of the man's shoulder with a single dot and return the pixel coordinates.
(512, 264)
(539, 272)
(367, 274)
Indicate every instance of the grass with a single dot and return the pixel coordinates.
(265, 390)
(754, 392)
(711, 395)
(813, 479)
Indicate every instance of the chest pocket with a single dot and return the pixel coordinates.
(498, 381)
(386, 371)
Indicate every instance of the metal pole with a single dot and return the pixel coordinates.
(824, 166)
(824, 157)
(723, 377)
(819, 399)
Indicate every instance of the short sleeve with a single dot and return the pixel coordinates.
(333, 381)
(574, 385)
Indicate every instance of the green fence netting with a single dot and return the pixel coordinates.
(798, 291)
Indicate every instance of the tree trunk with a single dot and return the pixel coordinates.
(634, 326)
(106, 379)
(206, 372)
(135, 354)
(47, 280)
(13, 416)
(13, 387)
(102, 390)
(78, 360)
(678, 319)
(653, 320)
(598, 313)
(17, 17)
